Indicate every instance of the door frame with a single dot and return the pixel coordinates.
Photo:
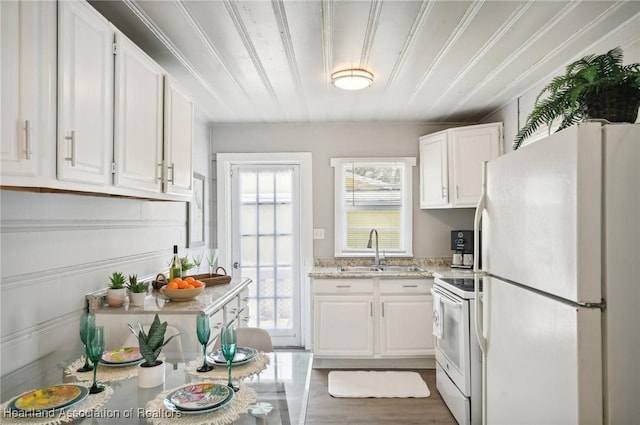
(224, 162)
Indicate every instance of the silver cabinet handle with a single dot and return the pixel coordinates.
(160, 174)
(27, 139)
(343, 286)
(72, 139)
(457, 192)
(409, 286)
(173, 173)
(383, 309)
(371, 307)
(444, 192)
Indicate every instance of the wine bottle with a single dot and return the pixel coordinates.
(175, 269)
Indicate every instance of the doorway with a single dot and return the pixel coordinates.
(263, 232)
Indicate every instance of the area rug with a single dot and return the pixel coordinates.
(379, 384)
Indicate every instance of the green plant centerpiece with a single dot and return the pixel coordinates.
(186, 264)
(594, 87)
(152, 341)
(117, 291)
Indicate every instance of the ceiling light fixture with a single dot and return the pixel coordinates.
(352, 79)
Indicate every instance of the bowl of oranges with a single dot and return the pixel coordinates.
(182, 289)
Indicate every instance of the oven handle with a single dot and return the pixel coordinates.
(446, 299)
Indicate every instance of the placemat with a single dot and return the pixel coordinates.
(104, 374)
(257, 365)
(81, 410)
(158, 414)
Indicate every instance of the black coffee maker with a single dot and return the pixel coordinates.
(462, 244)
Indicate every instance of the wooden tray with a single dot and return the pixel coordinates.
(214, 279)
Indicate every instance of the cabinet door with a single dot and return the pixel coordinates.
(406, 326)
(85, 94)
(26, 64)
(138, 141)
(469, 148)
(178, 139)
(343, 326)
(434, 192)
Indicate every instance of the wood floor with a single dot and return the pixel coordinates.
(324, 409)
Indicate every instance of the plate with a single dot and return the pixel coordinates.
(122, 355)
(49, 398)
(243, 355)
(173, 408)
(205, 395)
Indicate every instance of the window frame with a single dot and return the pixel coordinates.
(406, 228)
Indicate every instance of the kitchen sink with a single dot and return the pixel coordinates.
(379, 269)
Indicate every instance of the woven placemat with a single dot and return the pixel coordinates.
(158, 414)
(253, 367)
(104, 374)
(84, 409)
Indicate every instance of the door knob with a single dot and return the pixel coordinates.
(236, 265)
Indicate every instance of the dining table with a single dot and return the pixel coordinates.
(277, 392)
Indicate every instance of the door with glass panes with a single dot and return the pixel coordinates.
(265, 218)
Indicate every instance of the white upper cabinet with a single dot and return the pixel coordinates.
(178, 139)
(451, 164)
(138, 118)
(27, 111)
(85, 94)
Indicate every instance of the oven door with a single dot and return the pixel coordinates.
(452, 349)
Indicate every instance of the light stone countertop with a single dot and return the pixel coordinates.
(328, 268)
(211, 300)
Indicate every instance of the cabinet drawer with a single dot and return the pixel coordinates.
(406, 286)
(343, 286)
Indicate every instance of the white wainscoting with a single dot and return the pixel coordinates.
(55, 248)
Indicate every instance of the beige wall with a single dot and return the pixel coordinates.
(431, 227)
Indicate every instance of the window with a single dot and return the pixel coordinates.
(373, 193)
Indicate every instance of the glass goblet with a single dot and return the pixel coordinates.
(212, 257)
(87, 323)
(229, 343)
(197, 259)
(204, 332)
(96, 348)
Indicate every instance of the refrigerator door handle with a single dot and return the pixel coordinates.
(476, 251)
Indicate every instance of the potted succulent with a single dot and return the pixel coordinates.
(117, 292)
(594, 87)
(137, 290)
(151, 370)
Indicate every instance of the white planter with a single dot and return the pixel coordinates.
(137, 298)
(149, 377)
(116, 297)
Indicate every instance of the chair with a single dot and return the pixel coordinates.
(172, 351)
(251, 337)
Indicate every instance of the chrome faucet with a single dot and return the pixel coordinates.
(377, 259)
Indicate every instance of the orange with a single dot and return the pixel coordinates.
(189, 279)
(172, 285)
(197, 283)
(182, 284)
(176, 280)
(189, 286)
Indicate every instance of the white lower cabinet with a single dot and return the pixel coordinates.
(344, 325)
(372, 318)
(406, 325)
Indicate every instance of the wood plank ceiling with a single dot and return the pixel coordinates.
(433, 61)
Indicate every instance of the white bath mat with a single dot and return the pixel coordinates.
(380, 384)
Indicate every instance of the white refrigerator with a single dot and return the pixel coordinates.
(560, 318)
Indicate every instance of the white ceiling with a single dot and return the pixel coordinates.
(454, 61)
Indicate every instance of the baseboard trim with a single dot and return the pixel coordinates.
(421, 363)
